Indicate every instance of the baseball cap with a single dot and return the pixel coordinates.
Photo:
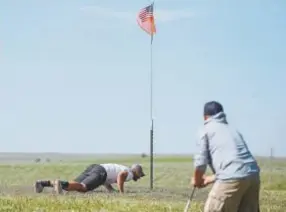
(138, 169)
(212, 108)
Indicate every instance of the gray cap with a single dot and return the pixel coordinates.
(138, 169)
(212, 108)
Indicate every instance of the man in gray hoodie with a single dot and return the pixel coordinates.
(236, 178)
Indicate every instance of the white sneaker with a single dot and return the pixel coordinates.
(58, 187)
(38, 186)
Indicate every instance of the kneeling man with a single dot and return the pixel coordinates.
(94, 176)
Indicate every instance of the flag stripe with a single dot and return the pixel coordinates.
(145, 19)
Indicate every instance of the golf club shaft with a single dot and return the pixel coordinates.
(189, 200)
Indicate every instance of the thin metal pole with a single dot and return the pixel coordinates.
(271, 165)
(189, 200)
(151, 157)
(151, 116)
(151, 80)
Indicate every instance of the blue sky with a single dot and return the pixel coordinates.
(74, 75)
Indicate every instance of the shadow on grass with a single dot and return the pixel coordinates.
(165, 194)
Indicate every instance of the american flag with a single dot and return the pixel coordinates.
(145, 19)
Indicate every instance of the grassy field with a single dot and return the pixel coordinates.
(170, 193)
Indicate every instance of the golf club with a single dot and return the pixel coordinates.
(189, 200)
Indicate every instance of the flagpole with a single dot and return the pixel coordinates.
(151, 114)
(146, 16)
(151, 117)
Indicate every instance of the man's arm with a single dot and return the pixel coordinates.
(120, 180)
(201, 160)
(109, 187)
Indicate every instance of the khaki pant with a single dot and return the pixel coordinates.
(235, 196)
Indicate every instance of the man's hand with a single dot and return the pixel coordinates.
(197, 183)
(110, 188)
(205, 181)
(209, 180)
(114, 190)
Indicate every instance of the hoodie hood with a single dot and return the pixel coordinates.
(219, 118)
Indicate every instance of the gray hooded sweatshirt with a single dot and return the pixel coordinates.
(224, 149)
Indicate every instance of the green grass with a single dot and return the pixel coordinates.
(172, 176)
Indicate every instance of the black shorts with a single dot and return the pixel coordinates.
(92, 177)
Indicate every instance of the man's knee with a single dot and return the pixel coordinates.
(82, 188)
(75, 186)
